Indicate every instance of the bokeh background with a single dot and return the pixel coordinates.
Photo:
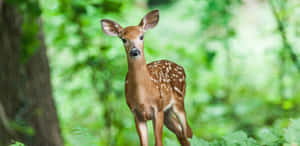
(241, 58)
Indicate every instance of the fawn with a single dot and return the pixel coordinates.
(154, 91)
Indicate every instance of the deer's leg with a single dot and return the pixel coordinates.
(173, 124)
(141, 127)
(158, 123)
(181, 116)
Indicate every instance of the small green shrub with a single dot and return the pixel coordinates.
(16, 143)
(266, 137)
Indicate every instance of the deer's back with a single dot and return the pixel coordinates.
(168, 76)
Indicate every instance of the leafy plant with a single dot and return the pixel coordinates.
(266, 137)
(292, 133)
(16, 143)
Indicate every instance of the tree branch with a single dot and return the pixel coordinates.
(282, 32)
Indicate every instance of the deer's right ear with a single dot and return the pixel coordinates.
(150, 20)
(110, 27)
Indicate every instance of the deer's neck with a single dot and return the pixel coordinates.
(138, 73)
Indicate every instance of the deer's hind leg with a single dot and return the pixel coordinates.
(173, 125)
(180, 113)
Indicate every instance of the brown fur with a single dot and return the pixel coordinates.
(131, 32)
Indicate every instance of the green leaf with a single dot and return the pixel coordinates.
(240, 139)
(16, 143)
(292, 133)
(198, 142)
(267, 137)
(235, 137)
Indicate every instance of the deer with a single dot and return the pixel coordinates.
(154, 91)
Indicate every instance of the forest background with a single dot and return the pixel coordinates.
(62, 78)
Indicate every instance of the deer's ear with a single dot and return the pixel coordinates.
(110, 27)
(150, 20)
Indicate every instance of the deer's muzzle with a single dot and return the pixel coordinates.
(134, 52)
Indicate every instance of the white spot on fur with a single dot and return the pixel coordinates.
(179, 127)
(178, 91)
(179, 68)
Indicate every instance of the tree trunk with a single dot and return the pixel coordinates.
(27, 108)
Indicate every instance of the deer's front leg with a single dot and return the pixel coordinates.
(141, 127)
(158, 123)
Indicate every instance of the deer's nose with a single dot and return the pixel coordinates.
(134, 52)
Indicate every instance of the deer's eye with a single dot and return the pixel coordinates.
(141, 37)
(124, 40)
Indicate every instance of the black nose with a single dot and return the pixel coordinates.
(134, 52)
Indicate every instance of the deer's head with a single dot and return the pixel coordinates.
(132, 36)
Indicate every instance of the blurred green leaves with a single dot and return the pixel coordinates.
(266, 137)
(239, 138)
(224, 94)
(16, 143)
(31, 7)
(30, 26)
(271, 136)
(292, 133)
(30, 42)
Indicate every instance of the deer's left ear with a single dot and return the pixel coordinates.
(111, 27)
(150, 20)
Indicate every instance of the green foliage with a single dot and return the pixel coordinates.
(30, 42)
(233, 139)
(232, 84)
(270, 136)
(30, 26)
(239, 138)
(22, 127)
(16, 143)
(267, 137)
(292, 133)
(215, 26)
